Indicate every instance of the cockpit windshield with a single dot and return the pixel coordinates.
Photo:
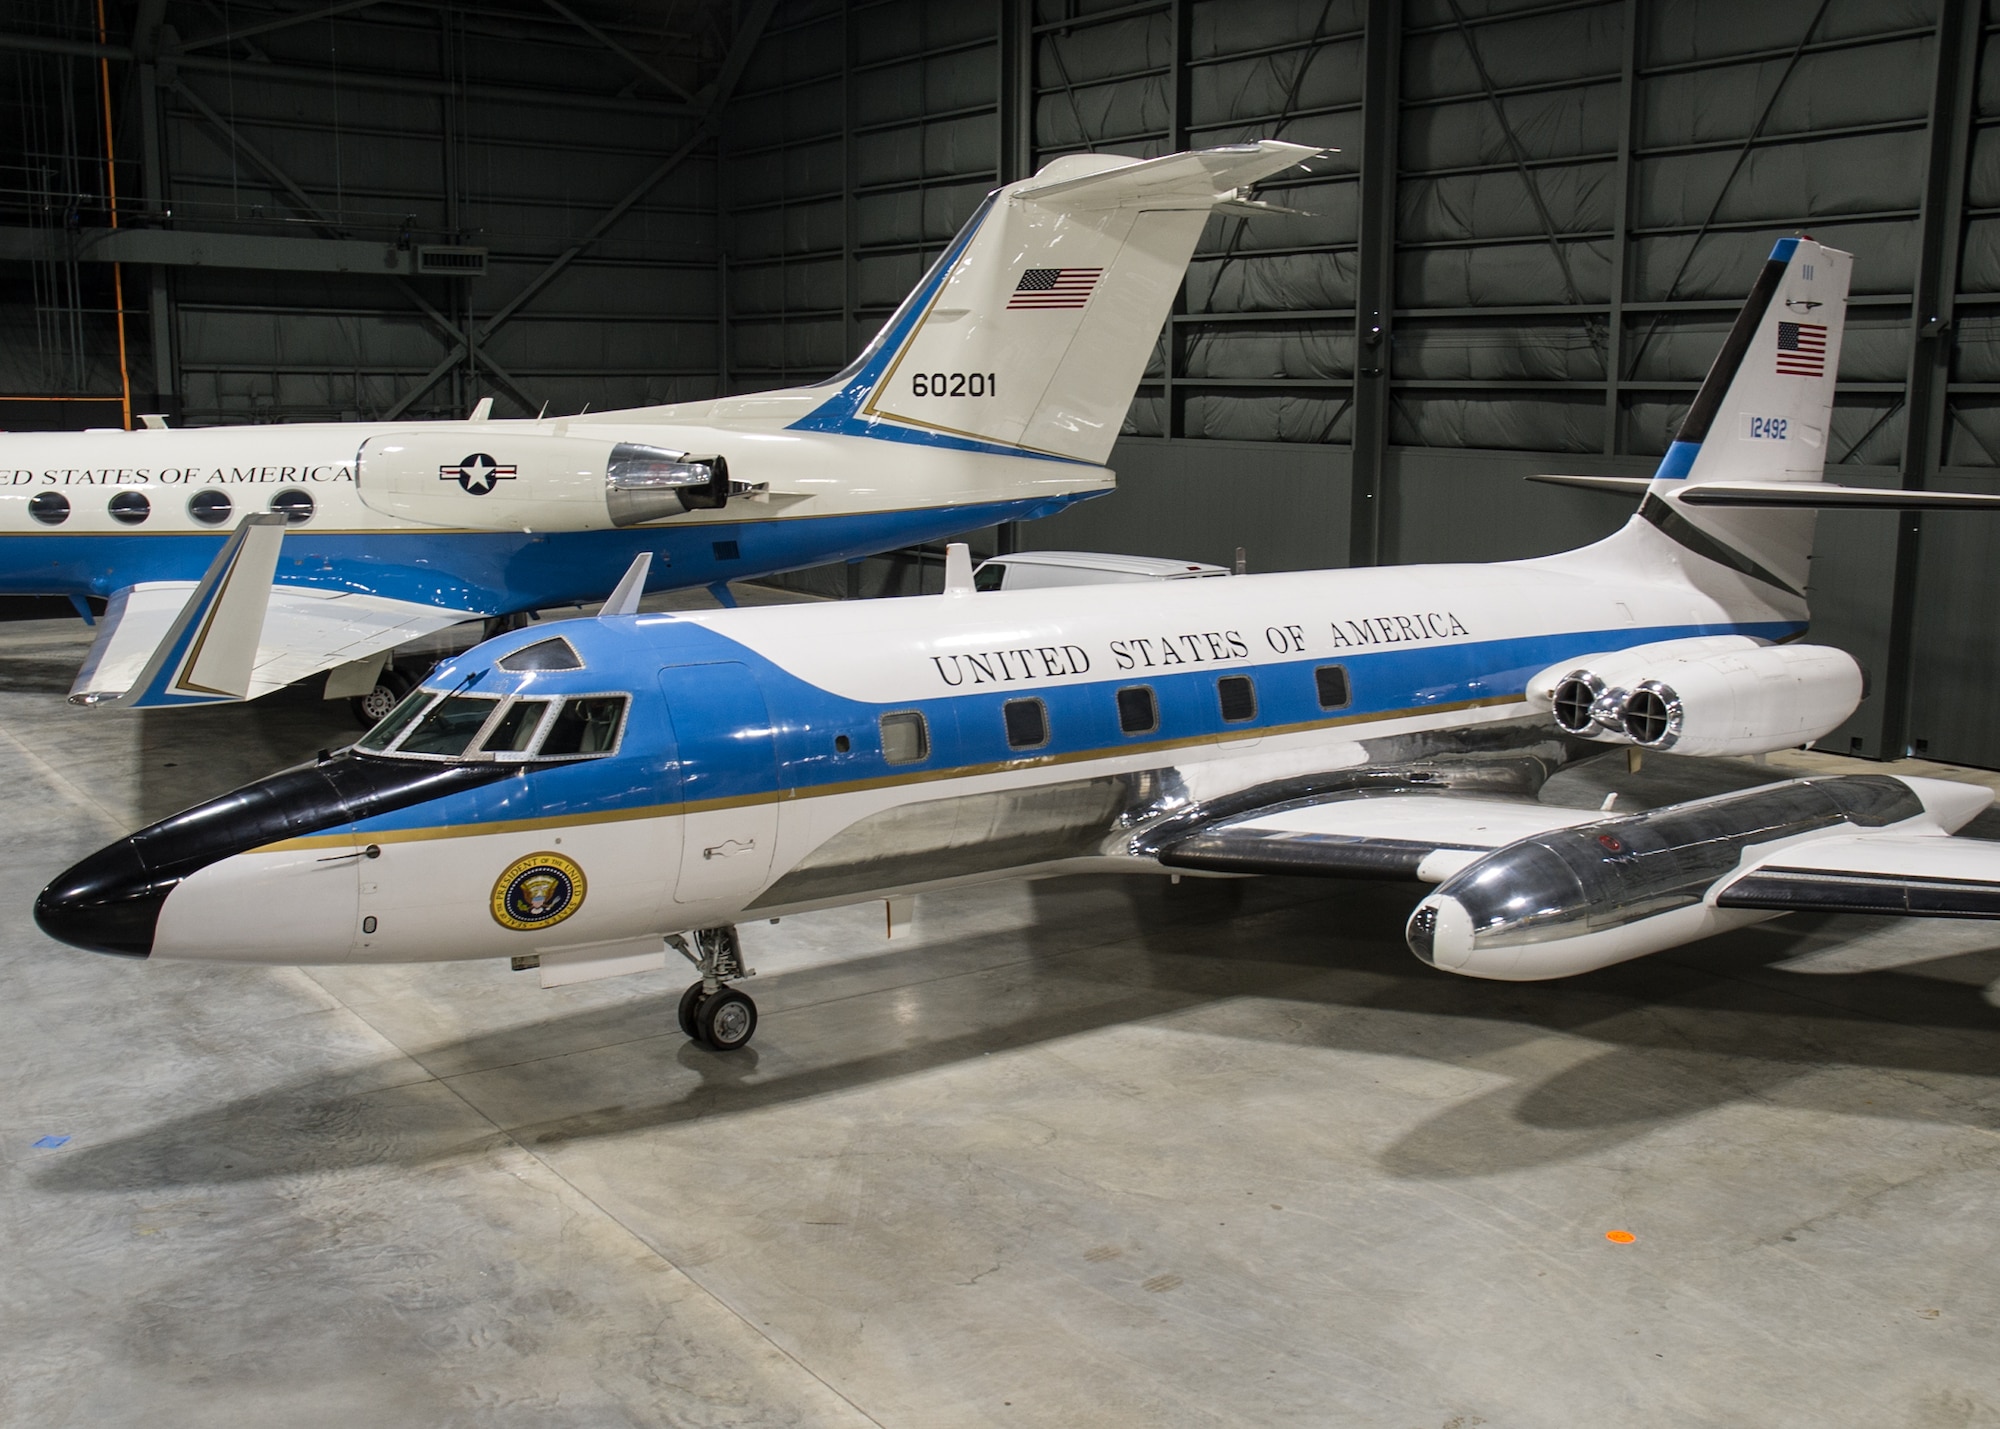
(396, 721)
(450, 725)
(487, 727)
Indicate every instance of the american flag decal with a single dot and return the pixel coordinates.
(1802, 349)
(1055, 287)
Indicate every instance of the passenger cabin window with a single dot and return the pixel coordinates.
(1332, 683)
(516, 728)
(1239, 698)
(588, 725)
(1027, 723)
(129, 508)
(293, 503)
(1138, 712)
(209, 508)
(51, 508)
(905, 737)
(450, 725)
(396, 721)
(555, 653)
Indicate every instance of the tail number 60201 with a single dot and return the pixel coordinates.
(954, 384)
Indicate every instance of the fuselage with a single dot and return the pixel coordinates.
(118, 509)
(763, 762)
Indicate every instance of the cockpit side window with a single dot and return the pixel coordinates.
(588, 724)
(450, 726)
(515, 730)
(396, 721)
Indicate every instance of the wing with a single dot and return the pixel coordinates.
(1427, 837)
(309, 630)
(234, 635)
(1904, 875)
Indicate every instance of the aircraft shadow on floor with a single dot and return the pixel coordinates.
(1657, 1041)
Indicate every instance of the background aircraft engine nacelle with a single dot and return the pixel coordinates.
(1578, 899)
(1746, 699)
(485, 477)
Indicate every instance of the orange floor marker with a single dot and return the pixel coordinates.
(1620, 1237)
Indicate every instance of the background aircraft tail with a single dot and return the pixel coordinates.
(1032, 331)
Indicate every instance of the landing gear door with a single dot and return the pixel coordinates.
(729, 780)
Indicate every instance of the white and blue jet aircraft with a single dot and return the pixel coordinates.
(993, 394)
(595, 793)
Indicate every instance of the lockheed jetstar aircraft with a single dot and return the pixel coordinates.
(595, 793)
(993, 394)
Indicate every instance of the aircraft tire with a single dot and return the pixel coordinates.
(390, 687)
(727, 1020)
(690, 1011)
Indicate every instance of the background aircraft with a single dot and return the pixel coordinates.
(993, 394)
(578, 793)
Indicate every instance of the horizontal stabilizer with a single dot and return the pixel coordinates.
(1803, 495)
(211, 648)
(1196, 179)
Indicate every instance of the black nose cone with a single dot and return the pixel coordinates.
(109, 903)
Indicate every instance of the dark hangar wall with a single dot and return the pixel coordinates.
(1541, 221)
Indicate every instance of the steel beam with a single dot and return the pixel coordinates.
(1375, 278)
(1932, 313)
(283, 22)
(619, 50)
(732, 70)
(186, 248)
(1621, 218)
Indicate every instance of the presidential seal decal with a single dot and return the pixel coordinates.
(538, 891)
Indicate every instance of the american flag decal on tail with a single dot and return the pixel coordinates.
(1055, 287)
(1802, 349)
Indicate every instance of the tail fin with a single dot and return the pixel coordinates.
(1032, 331)
(1762, 415)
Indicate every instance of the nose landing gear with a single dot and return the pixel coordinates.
(711, 1012)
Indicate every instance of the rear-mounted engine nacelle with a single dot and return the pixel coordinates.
(492, 478)
(1711, 695)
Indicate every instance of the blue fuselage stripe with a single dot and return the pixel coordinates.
(966, 730)
(495, 572)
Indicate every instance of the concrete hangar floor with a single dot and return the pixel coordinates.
(1078, 1152)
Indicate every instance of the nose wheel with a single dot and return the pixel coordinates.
(711, 1012)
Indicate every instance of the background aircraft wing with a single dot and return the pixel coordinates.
(1425, 836)
(1903, 875)
(305, 631)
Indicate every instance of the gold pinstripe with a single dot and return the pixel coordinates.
(857, 786)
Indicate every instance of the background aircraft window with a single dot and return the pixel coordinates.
(554, 653)
(1332, 682)
(450, 725)
(1137, 711)
(587, 725)
(516, 730)
(51, 508)
(396, 721)
(129, 508)
(294, 504)
(841, 744)
(1027, 723)
(905, 738)
(1238, 696)
(211, 507)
